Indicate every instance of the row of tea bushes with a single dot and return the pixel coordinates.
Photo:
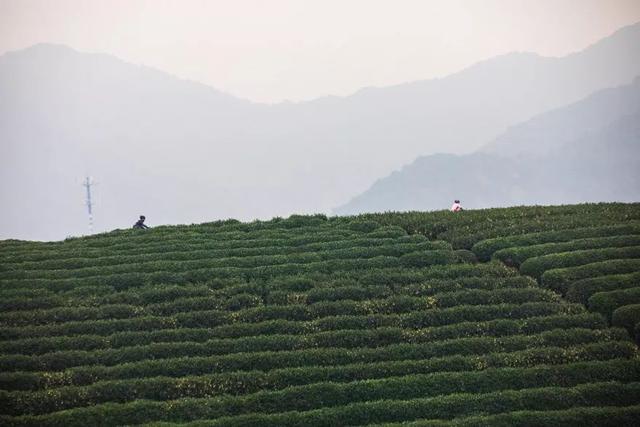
(313, 321)
(597, 266)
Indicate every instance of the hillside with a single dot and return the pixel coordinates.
(518, 316)
(66, 114)
(586, 151)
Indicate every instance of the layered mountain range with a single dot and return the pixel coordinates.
(179, 151)
(588, 151)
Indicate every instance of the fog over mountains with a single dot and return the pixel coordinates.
(586, 152)
(180, 151)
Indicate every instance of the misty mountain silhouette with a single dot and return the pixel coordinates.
(587, 151)
(180, 151)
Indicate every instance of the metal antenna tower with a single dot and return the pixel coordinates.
(88, 182)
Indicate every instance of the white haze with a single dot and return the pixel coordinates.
(274, 50)
(181, 152)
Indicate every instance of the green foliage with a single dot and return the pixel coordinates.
(240, 383)
(537, 266)
(363, 226)
(309, 320)
(515, 256)
(439, 396)
(486, 248)
(581, 290)
(627, 317)
(560, 279)
(627, 416)
(607, 302)
(463, 231)
(422, 259)
(572, 334)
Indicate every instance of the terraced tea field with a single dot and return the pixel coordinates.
(519, 316)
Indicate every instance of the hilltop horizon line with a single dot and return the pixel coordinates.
(320, 98)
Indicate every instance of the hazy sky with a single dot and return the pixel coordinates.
(275, 50)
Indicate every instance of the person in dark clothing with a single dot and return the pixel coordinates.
(140, 223)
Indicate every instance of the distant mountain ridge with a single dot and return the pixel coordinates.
(180, 151)
(587, 151)
(563, 125)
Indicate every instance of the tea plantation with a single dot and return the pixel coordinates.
(519, 316)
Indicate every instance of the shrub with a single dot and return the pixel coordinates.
(296, 221)
(581, 290)
(388, 231)
(507, 383)
(64, 314)
(486, 248)
(537, 266)
(515, 256)
(265, 361)
(560, 279)
(610, 416)
(626, 317)
(314, 320)
(428, 258)
(606, 302)
(467, 256)
(364, 226)
(242, 383)
(96, 327)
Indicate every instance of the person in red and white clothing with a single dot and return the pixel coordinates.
(456, 207)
